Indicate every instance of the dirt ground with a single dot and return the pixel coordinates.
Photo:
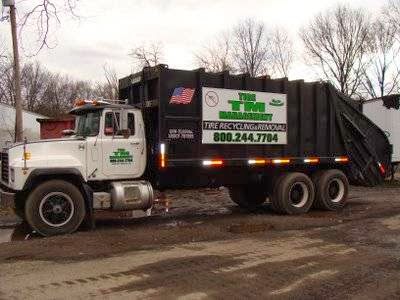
(206, 247)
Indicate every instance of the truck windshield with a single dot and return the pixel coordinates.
(88, 124)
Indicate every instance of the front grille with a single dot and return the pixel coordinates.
(4, 166)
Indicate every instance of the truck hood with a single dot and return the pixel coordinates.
(67, 153)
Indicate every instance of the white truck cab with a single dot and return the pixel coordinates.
(114, 142)
(50, 181)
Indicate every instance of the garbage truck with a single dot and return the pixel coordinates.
(294, 143)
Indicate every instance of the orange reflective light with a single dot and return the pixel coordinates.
(216, 162)
(311, 160)
(281, 161)
(162, 161)
(26, 156)
(162, 156)
(343, 159)
(257, 161)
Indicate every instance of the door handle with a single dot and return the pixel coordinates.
(135, 143)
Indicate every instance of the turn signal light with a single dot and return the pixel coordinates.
(213, 162)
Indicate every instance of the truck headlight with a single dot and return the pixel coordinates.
(12, 174)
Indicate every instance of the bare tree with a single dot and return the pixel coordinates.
(282, 52)
(3, 49)
(391, 12)
(217, 56)
(45, 16)
(33, 82)
(147, 55)
(383, 74)
(338, 42)
(109, 88)
(43, 13)
(7, 94)
(251, 48)
(44, 92)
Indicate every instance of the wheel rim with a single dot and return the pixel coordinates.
(56, 209)
(336, 190)
(298, 194)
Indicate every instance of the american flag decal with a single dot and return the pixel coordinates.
(182, 96)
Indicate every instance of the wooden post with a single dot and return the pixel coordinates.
(17, 78)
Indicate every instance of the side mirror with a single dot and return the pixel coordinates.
(67, 132)
(126, 133)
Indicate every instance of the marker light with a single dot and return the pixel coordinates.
(343, 159)
(281, 161)
(381, 168)
(213, 162)
(257, 161)
(26, 156)
(79, 102)
(162, 155)
(311, 160)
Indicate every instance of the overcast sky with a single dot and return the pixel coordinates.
(109, 29)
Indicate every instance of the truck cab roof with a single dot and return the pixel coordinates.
(87, 107)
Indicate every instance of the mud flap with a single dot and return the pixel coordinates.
(89, 221)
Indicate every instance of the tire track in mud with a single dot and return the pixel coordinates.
(210, 268)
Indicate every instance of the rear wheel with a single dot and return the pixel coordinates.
(249, 197)
(293, 194)
(55, 207)
(332, 188)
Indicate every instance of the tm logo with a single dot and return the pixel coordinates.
(121, 156)
(276, 102)
(248, 102)
(246, 107)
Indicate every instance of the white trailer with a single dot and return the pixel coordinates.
(385, 112)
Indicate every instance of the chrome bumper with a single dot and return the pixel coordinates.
(6, 199)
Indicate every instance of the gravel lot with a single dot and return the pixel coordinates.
(206, 247)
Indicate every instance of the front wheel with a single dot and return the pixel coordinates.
(55, 207)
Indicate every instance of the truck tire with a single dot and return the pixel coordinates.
(332, 188)
(249, 197)
(274, 204)
(55, 207)
(293, 194)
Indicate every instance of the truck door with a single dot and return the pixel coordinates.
(123, 145)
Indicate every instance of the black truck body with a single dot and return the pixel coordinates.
(324, 129)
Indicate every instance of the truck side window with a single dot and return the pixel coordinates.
(131, 123)
(111, 123)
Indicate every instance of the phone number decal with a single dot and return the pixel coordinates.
(237, 137)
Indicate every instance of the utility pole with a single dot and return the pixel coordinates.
(17, 72)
